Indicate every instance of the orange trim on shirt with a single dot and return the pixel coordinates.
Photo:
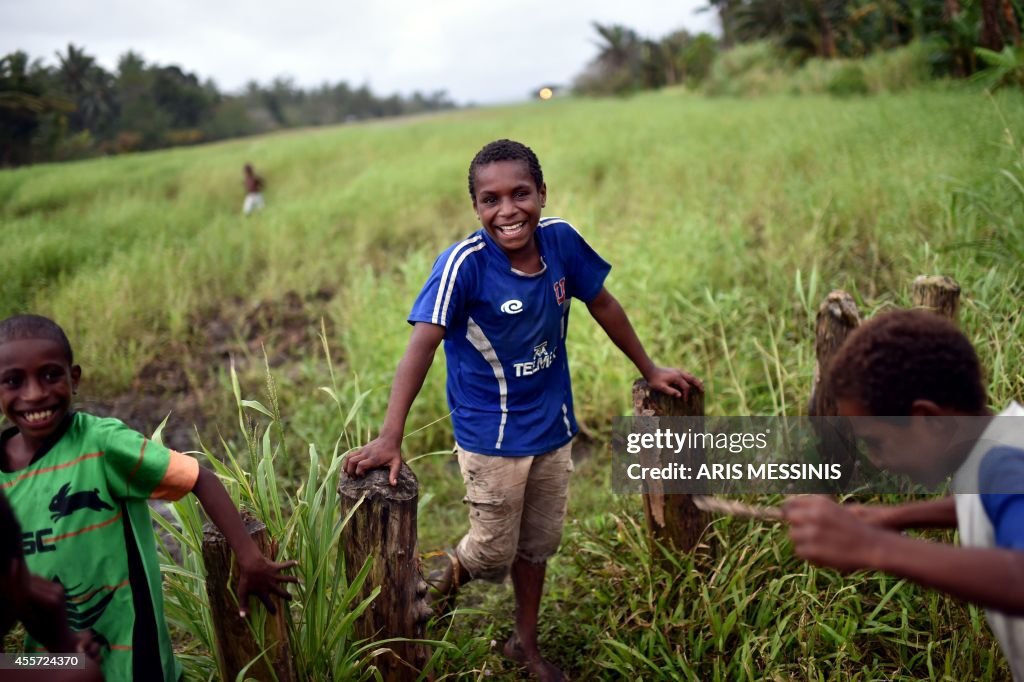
(80, 531)
(120, 647)
(138, 465)
(47, 470)
(182, 474)
(105, 588)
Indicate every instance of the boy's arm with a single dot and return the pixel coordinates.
(612, 318)
(258, 576)
(386, 449)
(826, 534)
(940, 513)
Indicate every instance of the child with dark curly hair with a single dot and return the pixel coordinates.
(500, 301)
(79, 485)
(911, 383)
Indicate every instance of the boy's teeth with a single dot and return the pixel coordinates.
(38, 416)
(512, 228)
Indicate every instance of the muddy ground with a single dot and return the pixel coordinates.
(187, 379)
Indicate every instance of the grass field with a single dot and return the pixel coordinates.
(726, 221)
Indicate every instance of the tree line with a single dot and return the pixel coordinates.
(967, 37)
(75, 108)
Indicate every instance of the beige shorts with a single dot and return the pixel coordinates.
(516, 509)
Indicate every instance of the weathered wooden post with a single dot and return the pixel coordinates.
(384, 528)
(837, 317)
(938, 293)
(236, 643)
(672, 519)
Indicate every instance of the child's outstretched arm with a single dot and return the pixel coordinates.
(258, 575)
(612, 318)
(939, 513)
(826, 534)
(386, 449)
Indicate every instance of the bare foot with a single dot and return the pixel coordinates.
(541, 668)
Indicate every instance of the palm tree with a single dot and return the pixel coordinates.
(24, 105)
(89, 87)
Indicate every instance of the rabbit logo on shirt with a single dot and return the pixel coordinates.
(66, 503)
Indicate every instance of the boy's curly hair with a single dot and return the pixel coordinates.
(902, 356)
(20, 327)
(505, 150)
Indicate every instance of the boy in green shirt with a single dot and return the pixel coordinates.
(79, 486)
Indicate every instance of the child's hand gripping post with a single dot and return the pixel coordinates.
(258, 576)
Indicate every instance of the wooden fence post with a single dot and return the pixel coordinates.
(672, 520)
(837, 317)
(384, 528)
(236, 645)
(938, 293)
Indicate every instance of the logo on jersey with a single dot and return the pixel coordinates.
(560, 291)
(65, 504)
(542, 359)
(512, 306)
(85, 605)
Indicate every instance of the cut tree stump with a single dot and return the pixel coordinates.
(672, 519)
(937, 293)
(384, 528)
(836, 319)
(236, 645)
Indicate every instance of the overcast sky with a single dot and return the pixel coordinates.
(477, 51)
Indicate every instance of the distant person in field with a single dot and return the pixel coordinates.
(79, 486)
(253, 190)
(918, 371)
(40, 606)
(500, 300)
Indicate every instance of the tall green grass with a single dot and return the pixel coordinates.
(726, 221)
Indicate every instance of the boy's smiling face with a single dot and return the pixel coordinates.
(36, 384)
(508, 203)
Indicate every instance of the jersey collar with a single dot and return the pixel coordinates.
(47, 445)
(503, 257)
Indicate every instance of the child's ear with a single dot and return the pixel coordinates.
(543, 194)
(926, 408)
(76, 376)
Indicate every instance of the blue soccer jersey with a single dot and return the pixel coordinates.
(508, 375)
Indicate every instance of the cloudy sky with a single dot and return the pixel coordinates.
(478, 51)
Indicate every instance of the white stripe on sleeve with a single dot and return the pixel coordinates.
(444, 276)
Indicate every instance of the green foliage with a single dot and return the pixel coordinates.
(756, 68)
(726, 221)
(762, 69)
(77, 109)
(742, 608)
(1002, 68)
(627, 62)
(306, 526)
(849, 80)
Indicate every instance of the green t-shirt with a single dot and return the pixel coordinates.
(85, 522)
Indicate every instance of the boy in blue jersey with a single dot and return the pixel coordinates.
(500, 302)
(919, 375)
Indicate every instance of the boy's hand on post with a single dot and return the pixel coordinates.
(826, 534)
(260, 577)
(673, 382)
(379, 453)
